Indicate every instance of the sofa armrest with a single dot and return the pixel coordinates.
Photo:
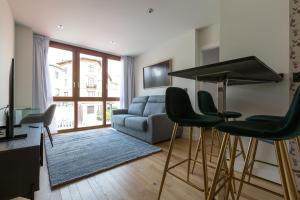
(160, 116)
(119, 111)
(161, 128)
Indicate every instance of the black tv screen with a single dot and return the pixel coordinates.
(10, 117)
(157, 75)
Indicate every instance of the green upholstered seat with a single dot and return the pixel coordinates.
(265, 118)
(200, 121)
(286, 128)
(179, 109)
(207, 106)
(231, 114)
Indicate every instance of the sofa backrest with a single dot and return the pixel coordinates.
(138, 105)
(155, 105)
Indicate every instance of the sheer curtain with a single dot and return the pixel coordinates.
(41, 87)
(127, 81)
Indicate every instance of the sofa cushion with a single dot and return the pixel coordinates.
(155, 105)
(136, 123)
(138, 105)
(120, 119)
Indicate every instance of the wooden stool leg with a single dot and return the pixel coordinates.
(289, 175)
(221, 159)
(248, 156)
(204, 163)
(168, 160)
(212, 143)
(189, 154)
(253, 160)
(298, 143)
(231, 166)
(229, 146)
(197, 151)
(242, 148)
(231, 186)
(281, 166)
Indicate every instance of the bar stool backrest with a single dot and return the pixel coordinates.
(291, 123)
(178, 104)
(206, 103)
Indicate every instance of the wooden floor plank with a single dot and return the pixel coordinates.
(75, 195)
(98, 189)
(65, 193)
(85, 190)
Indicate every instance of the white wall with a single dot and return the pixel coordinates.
(23, 52)
(182, 52)
(259, 28)
(6, 52)
(207, 38)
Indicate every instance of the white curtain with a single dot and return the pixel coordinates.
(127, 81)
(41, 87)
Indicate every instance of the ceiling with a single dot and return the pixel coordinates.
(95, 23)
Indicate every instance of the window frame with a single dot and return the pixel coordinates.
(75, 98)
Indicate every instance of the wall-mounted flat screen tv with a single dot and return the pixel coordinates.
(157, 75)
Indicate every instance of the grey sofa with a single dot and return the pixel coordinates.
(145, 119)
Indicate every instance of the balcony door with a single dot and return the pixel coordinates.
(85, 86)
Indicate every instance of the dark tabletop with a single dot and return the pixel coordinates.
(32, 139)
(247, 70)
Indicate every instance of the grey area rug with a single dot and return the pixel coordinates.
(78, 155)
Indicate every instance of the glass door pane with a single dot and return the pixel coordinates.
(110, 106)
(64, 115)
(114, 78)
(90, 114)
(90, 76)
(61, 72)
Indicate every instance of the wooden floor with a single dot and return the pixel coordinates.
(140, 180)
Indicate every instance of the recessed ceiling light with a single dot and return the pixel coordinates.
(113, 42)
(61, 27)
(150, 10)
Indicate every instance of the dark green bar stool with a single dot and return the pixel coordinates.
(276, 131)
(207, 106)
(179, 109)
(263, 118)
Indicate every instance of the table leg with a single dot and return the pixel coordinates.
(221, 108)
(41, 150)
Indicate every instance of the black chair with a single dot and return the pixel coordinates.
(276, 131)
(181, 112)
(45, 118)
(207, 106)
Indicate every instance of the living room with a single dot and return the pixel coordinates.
(149, 99)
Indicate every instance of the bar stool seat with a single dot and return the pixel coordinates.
(265, 118)
(231, 114)
(199, 121)
(225, 114)
(262, 130)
